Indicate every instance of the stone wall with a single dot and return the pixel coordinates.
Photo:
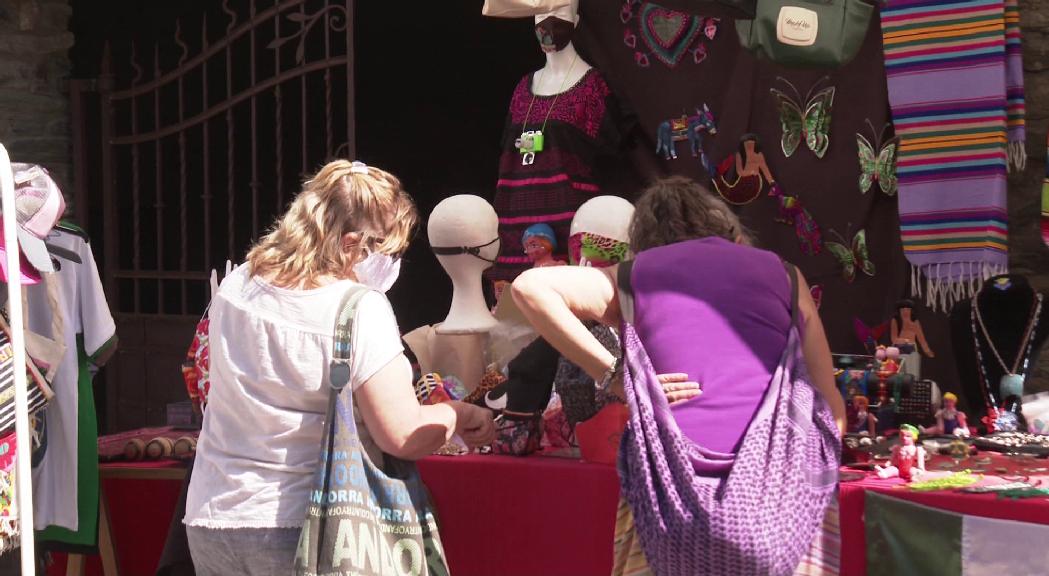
(34, 73)
(1028, 254)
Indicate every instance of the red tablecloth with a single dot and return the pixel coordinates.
(524, 516)
(139, 514)
(851, 499)
(518, 516)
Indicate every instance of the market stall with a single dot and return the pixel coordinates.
(874, 162)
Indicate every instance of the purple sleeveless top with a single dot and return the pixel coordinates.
(719, 312)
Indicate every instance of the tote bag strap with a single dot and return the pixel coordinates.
(792, 271)
(342, 342)
(626, 292)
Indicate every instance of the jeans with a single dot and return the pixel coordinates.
(243, 551)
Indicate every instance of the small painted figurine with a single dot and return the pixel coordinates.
(908, 458)
(539, 245)
(861, 418)
(906, 330)
(889, 361)
(949, 420)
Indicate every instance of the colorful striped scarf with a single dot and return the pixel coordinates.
(955, 83)
(1045, 198)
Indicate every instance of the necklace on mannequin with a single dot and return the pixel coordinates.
(531, 141)
(1012, 380)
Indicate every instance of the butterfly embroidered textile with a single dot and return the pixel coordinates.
(878, 162)
(852, 257)
(805, 120)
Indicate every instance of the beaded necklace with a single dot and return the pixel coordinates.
(531, 141)
(1011, 383)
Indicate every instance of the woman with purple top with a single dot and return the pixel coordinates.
(707, 306)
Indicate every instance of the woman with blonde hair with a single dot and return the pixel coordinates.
(271, 336)
(736, 479)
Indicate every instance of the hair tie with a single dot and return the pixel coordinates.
(357, 167)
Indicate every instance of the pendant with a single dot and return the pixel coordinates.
(1006, 422)
(528, 144)
(1011, 385)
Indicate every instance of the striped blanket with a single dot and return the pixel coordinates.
(1045, 198)
(956, 91)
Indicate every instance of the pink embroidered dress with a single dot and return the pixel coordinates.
(584, 127)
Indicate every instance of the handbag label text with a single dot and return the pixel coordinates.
(797, 26)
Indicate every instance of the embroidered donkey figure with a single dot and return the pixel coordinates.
(690, 128)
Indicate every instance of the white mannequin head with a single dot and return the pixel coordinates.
(556, 28)
(606, 221)
(608, 216)
(464, 233)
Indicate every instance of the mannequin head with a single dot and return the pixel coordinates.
(464, 233)
(555, 29)
(600, 232)
(464, 236)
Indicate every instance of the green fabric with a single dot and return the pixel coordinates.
(842, 27)
(905, 539)
(87, 463)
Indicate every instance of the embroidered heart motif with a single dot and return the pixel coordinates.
(666, 26)
(630, 39)
(668, 33)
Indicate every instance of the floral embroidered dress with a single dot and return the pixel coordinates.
(583, 124)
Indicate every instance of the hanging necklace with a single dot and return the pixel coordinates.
(531, 141)
(1012, 381)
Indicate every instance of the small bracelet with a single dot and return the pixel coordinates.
(610, 374)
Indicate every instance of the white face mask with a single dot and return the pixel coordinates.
(377, 271)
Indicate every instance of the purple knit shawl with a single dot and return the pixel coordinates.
(702, 512)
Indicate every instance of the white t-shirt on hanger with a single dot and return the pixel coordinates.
(85, 310)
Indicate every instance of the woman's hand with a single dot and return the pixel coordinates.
(678, 388)
(474, 424)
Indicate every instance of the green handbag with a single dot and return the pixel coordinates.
(806, 33)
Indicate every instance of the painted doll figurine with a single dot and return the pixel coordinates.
(861, 420)
(949, 420)
(907, 334)
(889, 361)
(908, 459)
(906, 330)
(539, 245)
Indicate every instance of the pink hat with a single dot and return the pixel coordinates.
(39, 205)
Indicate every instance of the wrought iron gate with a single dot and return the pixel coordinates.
(192, 140)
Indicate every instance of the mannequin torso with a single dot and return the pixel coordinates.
(1006, 304)
(563, 70)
